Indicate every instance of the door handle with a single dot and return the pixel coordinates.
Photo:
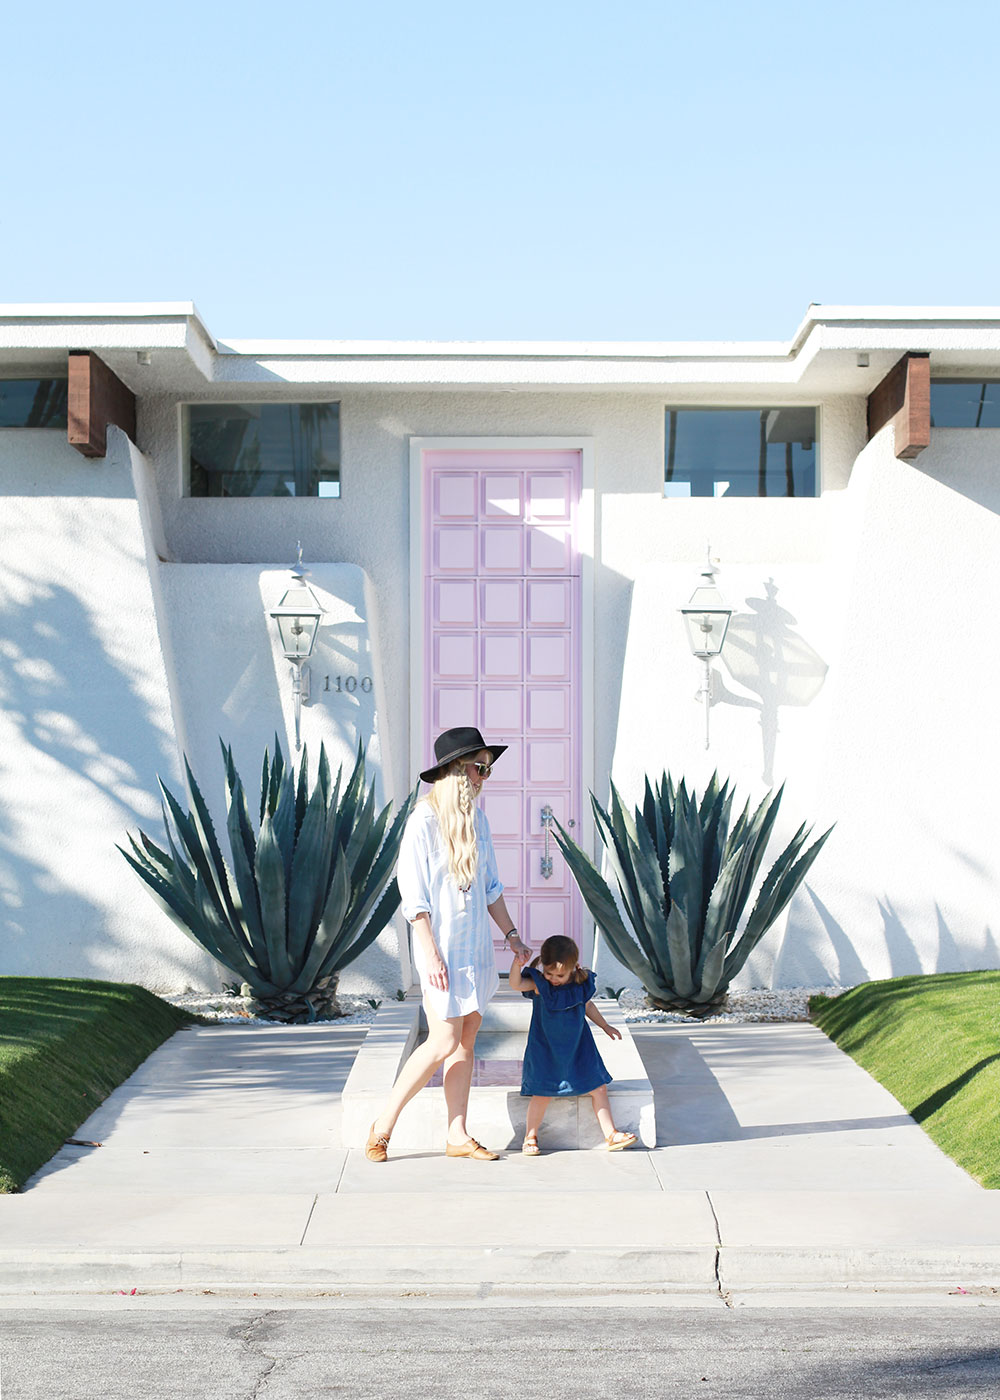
(547, 818)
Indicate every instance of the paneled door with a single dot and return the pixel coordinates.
(502, 600)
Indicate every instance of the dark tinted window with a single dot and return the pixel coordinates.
(965, 403)
(288, 449)
(33, 403)
(740, 452)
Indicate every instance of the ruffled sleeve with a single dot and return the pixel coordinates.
(536, 977)
(413, 868)
(565, 998)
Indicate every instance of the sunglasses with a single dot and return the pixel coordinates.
(483, 769)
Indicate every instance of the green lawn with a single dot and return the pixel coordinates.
(64, 1045)
(934, 1043)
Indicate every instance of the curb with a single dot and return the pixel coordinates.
(681, 1269)
(695, 1269)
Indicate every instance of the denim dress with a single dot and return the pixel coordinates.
(459, 920)
(560, 1058)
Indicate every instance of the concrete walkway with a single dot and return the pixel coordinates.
(780, 1165)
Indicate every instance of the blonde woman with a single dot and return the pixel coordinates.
(447, 875)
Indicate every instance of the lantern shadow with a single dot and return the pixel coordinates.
(766, 656)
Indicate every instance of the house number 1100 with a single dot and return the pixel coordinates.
(348, 683)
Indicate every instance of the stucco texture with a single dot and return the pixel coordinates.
(85, 721)
(861, 680)
(861, 667)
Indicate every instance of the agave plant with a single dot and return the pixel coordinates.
(303, 896)
(685, 880)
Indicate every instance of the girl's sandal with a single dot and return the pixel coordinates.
(529, 1147)
(616, 1141)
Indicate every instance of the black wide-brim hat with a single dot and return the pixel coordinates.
(457, 743)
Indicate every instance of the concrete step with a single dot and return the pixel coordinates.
(498, 1110)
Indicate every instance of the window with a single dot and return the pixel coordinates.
(965, 403)
(740, 452)
(33, 403)
(256, 449)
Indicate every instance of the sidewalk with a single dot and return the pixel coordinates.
(780, 1165)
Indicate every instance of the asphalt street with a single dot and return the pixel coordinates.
(274, 1351)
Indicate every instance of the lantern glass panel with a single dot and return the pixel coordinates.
(297, 635)
(706, 631)
(297, 616)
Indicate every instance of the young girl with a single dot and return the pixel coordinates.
(561, 1059)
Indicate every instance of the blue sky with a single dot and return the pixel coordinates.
(546, 170)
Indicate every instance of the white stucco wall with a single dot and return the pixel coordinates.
(369, 524)
(231, 681)
(908, 763)
(872, 700)
(862, 682)
(111, 663)
(85, 723)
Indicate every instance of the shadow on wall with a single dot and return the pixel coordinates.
(964, 460)
(609, 670)
(767, 657)
(808, 959)
(341, 649)
(77, 759)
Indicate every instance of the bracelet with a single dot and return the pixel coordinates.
(511, 933)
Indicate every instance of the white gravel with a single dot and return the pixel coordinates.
(745, 1007)
(219, 1006)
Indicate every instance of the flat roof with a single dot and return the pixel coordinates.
(180, 354)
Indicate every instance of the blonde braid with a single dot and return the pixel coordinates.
(454, 801)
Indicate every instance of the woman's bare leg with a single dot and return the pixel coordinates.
(443, 1037)
(458, 1079)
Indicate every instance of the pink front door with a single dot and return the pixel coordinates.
(502, 598)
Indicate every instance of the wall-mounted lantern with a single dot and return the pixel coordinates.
(707, 620)
(298, 616)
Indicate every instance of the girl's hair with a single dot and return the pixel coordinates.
(560, 951)
(454, 803)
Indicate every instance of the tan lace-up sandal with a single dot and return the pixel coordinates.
(376, 1148)
(471, 1148)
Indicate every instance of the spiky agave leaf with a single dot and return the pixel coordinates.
(603, 909)
(323, 779)
(780, 884)
(302, 790)
(377, 920)
(368, 889)
(191, 842)
(269, 868)
(612, 832)
(305, 891)
(277, 772)
(243, 846)
(302, 897)
(202, 822)
(685, 947)
(265, 783)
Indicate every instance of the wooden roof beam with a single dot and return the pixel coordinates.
(903, 398)
(97, 397)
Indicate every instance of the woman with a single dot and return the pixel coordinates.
(448, 880)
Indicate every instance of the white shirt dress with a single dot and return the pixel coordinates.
(459, 920)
